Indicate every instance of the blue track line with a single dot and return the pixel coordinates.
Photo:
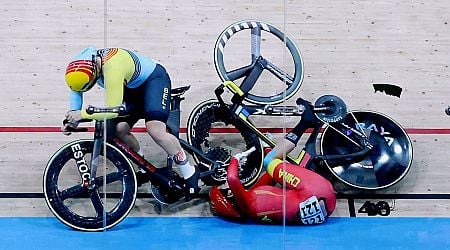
(215, 233)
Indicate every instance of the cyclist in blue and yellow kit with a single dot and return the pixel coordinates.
(139, 82)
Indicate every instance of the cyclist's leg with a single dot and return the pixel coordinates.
(124, 124)
(124, 133)
(282, 147)
(156, 113)
(156, 103)
(291, 139)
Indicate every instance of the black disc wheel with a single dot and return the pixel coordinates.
(388, 161)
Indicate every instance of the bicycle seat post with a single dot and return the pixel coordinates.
(173, 122)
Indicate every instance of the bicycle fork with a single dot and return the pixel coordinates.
(98, 142)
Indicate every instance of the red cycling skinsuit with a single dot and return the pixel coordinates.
(309, 197)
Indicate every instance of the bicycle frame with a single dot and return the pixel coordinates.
(167, 186)
(128, 152)
(173, 126)
(308, 155)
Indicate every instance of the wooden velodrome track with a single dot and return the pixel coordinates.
(346, 47)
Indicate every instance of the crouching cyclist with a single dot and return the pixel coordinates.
(143, 86)
(308, 199)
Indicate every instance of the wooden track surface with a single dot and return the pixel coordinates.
(346, 47)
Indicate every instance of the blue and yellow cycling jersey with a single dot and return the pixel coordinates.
(120, 68)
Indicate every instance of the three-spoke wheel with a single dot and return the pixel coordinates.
(267, 56)
(89, 208)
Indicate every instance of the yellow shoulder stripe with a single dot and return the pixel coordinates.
(272, 165)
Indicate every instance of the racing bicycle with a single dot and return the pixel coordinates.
(366, 150)
(90, 184)
(363, 149)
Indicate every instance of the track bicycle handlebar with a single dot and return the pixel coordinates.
(323, 109)
(118, 109)
(92, 110)
(75, 130)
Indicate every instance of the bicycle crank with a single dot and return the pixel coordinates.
(222, 156)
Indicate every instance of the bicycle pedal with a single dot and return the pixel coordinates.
(142, 178)
(164, 197)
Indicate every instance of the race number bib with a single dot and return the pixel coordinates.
(311, 212)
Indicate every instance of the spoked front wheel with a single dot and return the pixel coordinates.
(83, 208)
(388, 161)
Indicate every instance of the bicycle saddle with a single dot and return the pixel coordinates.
(180, 90)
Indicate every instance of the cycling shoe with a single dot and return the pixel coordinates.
(191, 186)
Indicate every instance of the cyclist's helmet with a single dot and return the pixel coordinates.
(81, 72)
(222, 204)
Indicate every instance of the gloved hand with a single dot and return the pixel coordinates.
(72, 117)
(242, 157)
(65, 128)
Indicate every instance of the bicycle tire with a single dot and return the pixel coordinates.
(389, 160)
(275, 98)
(76, 206)
(201, 124)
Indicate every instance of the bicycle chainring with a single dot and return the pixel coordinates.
(222, 156)
(164, 195)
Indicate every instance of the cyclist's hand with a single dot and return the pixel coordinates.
(66, 128)
(242, 158)
(73, 116)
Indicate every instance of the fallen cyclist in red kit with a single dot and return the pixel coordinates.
(308, 198)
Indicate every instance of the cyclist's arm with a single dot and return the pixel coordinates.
(76, 103)
(114, 95)
(76, 100)
(238, 190)
(114, 75)
(281, 149)
(265, 179)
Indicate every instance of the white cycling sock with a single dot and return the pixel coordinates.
(185, 167)
(187, 170)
